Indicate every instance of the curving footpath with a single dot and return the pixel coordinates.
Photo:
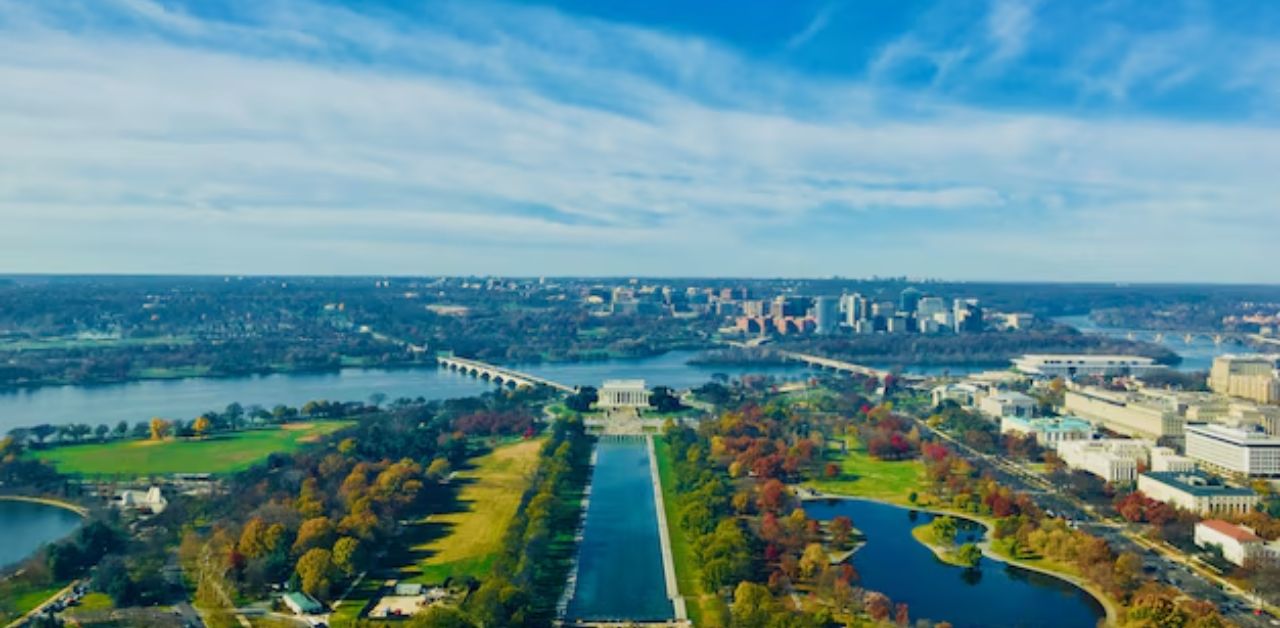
(664, 537)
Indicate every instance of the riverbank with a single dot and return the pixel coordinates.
(48, 501)
(1110, 606)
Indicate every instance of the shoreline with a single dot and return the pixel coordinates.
(1110, 608)
(664, 536)
(48, 501)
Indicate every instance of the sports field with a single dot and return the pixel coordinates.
(465, 540)
(221, 453)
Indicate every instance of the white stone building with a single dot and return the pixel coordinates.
(1008, 404)
(1251, 453)
(1070, 366)
(1112, 459)
(623, 393)
(1197, 493)
(1239, 544)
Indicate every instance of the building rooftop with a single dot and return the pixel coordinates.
(1084, 358)
(1054, 424)
(624, 384)
(1197, 483)
(1233, 434)
(304, 602)
(1239, 533)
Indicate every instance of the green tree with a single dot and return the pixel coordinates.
(316, 572)
(753, 606)
(347, 555)
(969, 555)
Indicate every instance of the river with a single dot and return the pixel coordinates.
(25, 526)
(1197, 354)
(620, 573)
(187, 398)
(995, 594)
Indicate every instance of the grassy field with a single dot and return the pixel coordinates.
(864, 476)
(688, 577)
(24, 599)
(223, 453)
(465, 540)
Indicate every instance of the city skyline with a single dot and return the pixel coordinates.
(980, 141)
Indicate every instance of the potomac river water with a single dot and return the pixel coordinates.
(187, 398)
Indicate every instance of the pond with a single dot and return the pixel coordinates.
(620, 572)
(994, 594)
(187, 398)
(25, 526)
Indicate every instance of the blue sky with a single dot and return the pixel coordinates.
(991, 139)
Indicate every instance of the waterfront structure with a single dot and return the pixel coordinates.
(1197, 492)
(1008, 404)
(1254, 377)
(623, 393)
(1069, 366)
(1246, 452)
(1238, 544)
(1112, 459)
(1049, 432)
(1129, 413)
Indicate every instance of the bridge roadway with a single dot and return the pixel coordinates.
(498, 374)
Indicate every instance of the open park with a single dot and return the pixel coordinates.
(220, 453)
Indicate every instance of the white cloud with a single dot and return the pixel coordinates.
(472, 139)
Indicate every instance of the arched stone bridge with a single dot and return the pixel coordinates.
(497, 374)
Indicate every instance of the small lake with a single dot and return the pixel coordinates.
(620, 572)
(995, 594)
(1197, 353)
(25, 526)
(187, 398)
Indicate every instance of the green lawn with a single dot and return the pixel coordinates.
(222, 453)
(24, 600)
(864, 476)
(465, 540)
(686, 563)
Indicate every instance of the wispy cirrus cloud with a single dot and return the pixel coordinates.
(293, 136)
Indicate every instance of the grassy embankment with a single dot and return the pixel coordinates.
(220, 453)
(17, 600)
(945, 551)
(700, 603)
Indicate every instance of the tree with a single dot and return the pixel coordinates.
(377, 398)
(122, 428)
(841, 529)
(160, 428)
(101, 431)
(813, 560)
(202, 425)
(664, 400)
(438, 469)
(43, 431)
(945, 529)
(233, 414)
(347, 555)
(112, 578)
(440, 616)
(314, 533)
(581, 400)
(753, 605)
(969, 555)
(316, 571)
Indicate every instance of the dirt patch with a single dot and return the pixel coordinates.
(297, 426)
